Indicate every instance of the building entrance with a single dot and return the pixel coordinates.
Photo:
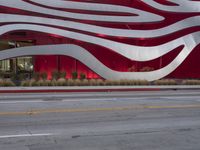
(16, 66)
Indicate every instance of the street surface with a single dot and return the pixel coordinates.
(164, 120)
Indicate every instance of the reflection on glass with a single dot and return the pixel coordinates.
(5, 65)
(20, 65)
(25, 64)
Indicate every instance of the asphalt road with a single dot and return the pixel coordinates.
(166, 120)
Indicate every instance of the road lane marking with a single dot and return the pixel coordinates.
(23, 135)
(76, 110)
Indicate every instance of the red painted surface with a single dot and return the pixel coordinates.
(188, 69)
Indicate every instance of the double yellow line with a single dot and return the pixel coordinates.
(74, 110)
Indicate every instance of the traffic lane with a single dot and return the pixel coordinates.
(88, 127)
(136, 119)
(87, 132)
(27, 105)
(23, 112)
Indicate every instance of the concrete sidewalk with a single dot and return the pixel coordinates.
(62, 89)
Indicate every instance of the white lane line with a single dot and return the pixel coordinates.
(24, 135)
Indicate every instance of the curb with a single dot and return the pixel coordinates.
(93, 89)
(76, 90)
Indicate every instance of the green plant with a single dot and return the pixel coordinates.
(144, 82)
(100, 82)
(116, 82)
(1, 82)
(74, 75)
(82, 76)
(77, 82)
(191, 82)
(55, 75)
(21, 77)
(54, 82)
(36, 76)
(62, 74)
(70, 82)
(44, 75)
(25, 83)
(61, 82)
(41, 83)
(13, 77)
(48, 82)
(124, 82)
(84, 82)
(8, 83)
(92, 82)
(132, 82)
(165, 82)
(34, 83)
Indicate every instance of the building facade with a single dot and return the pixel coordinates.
(110, 39)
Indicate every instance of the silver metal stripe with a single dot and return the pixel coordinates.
(186, 23)
(188, 6)
(143, 16)
(129, 51)
(94, 64)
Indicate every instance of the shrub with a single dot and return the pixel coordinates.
(55, 75)
(100, 82)
(165, 82)
(144, 82)
(44, 83)
(172, 82)
(1, 82)
(92, 82)
(43, 75)
(108, 82)
(8, 83)
(48, 82)
(77, 82)
(13, 77)
(124, 82)
(82, 76)
(191, 82)
(74, 75)
(70, 82)
(84, 82)
(25, 83)
(61, 82)
(34, 83)
(54, 82)
(21, 77)
(36, 76)
(62, 74)
(116, 82)
(139, 82)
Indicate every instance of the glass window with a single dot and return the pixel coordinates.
(25, 64)
(5, 65)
